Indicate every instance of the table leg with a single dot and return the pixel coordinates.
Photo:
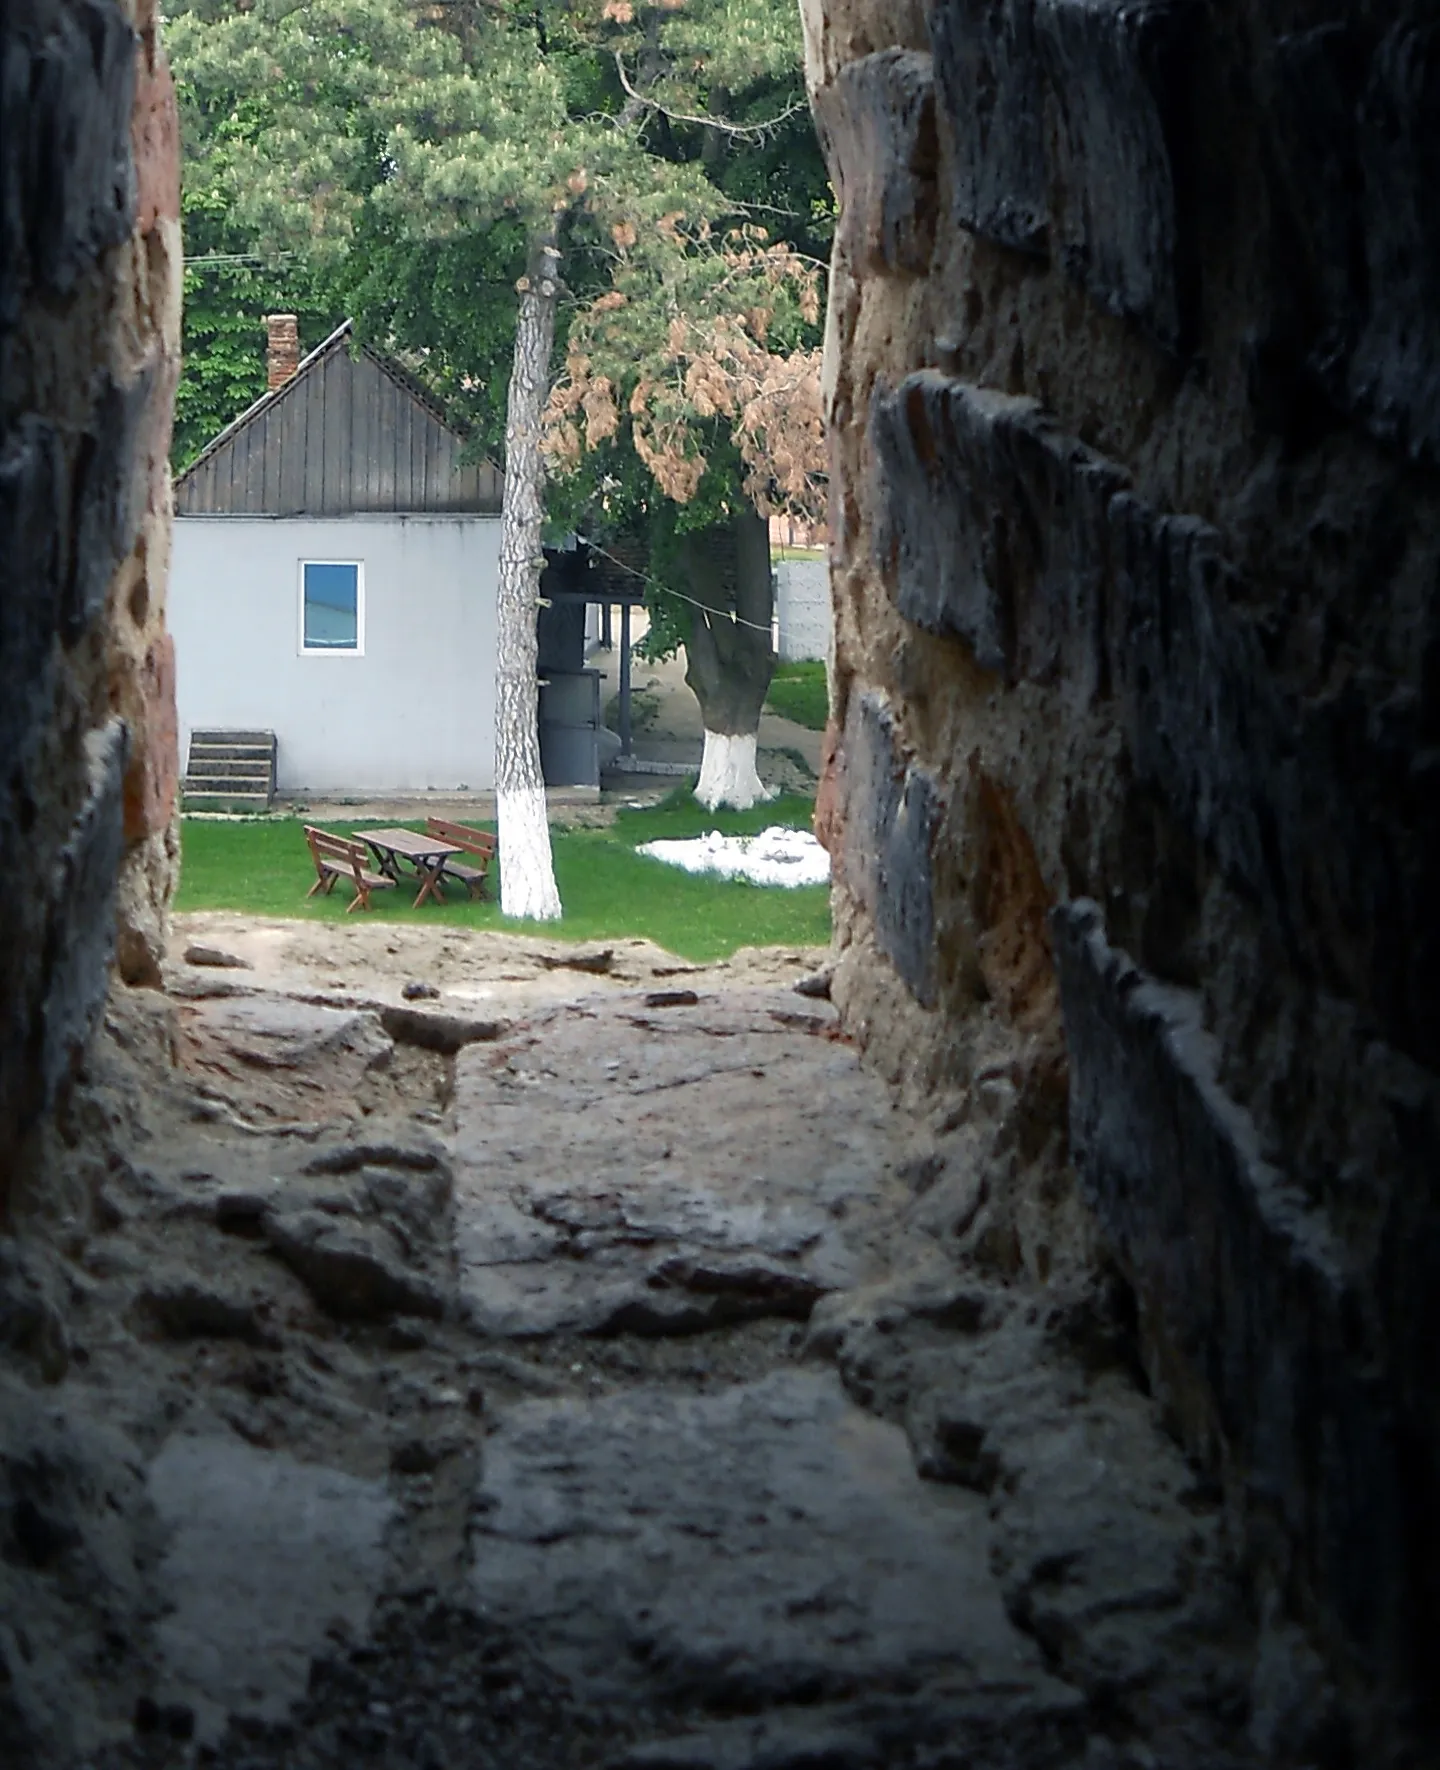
(431, 886)
(385, 861)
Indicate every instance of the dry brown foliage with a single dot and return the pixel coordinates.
(704, 370)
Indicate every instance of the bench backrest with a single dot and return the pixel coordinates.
(479, 842)
(324, 846)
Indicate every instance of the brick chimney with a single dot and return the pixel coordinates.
(282, 348)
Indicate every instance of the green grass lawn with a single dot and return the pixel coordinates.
(263, 868)
(798, 692)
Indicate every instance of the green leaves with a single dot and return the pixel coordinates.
(401, 152)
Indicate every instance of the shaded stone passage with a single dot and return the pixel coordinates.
(664, 1169)
(613, 1392)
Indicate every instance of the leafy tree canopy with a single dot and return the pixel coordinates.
(404, 154)
(401, 154)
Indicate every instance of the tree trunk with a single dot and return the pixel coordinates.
(729, 660)
(527, 870)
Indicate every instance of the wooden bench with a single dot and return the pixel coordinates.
(335, 858)
(479, 843)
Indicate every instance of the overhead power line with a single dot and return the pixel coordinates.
(224, 260)
(680, 595)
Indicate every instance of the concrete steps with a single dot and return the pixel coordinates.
(230, 771)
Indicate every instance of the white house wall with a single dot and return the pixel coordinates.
(416, 711)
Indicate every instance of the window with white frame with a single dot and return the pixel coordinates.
(332, 606)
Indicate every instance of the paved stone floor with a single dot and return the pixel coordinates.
(593, 1383)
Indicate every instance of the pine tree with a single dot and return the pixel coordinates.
(448, 118)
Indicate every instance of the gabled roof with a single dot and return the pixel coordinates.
(351, 431)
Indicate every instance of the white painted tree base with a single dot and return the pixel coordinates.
(728, 775)
(527, 875)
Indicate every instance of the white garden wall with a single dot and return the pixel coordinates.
(802, 608)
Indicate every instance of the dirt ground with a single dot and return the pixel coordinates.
(365, 963)
(470, 1351)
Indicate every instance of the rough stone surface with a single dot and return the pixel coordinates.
(69, 74)
(1134, 308)
(197, 953)
(151, 783)
(1067, 122)
(185, 1308)
(353, 1270)
(1355, 151)
(320, 1055)
(445, 1033)
(265, 1555)
(72, 1574)
(617, 1213)
(1263, 1336)
(993, 525)
(764, 1545)
(986, 62)
(1105, 1542)
(1119, 81)
(890, 820)
(1136, 566)
(887, 1507)
(89, 340)
(80, 937)
(887, 163)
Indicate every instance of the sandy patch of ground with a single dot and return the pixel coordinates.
(373, 962)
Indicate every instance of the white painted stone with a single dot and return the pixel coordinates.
(527, 871)
(728, 775)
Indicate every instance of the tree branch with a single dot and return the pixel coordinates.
(739, 129)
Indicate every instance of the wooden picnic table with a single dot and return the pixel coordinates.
(427, 854)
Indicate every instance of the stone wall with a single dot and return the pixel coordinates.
(90, 273)
(802, 609)
(1134, 784)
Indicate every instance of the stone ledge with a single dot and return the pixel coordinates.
(1354, 168)
(1102, 188)
(992, 522)
(987, 74)
(890, 818)
(1118, 76)
(80, 937)
(993, 525)
(69, 74)
(878, 118)
(1254, 1327)
(33, 495)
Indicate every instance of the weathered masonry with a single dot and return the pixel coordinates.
(1134, 384)
(1134, 391)
(89, 350)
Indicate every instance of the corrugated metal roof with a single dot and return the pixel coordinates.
(347, 434)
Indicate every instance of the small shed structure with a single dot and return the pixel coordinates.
(334, 578)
